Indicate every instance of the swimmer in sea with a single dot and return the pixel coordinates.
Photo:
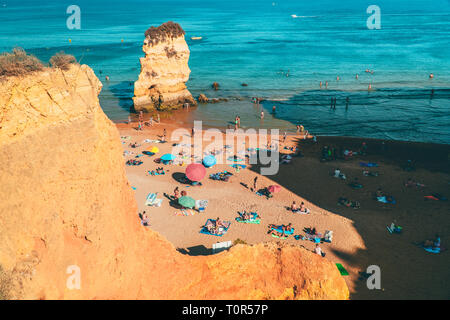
(320, 84)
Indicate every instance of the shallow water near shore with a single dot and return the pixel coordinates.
(259, 43)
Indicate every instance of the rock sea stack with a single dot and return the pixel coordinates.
(164, 70)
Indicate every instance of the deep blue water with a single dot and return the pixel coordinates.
(258, 42)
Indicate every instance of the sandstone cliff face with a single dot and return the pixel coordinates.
(164, 70)
(66, 201)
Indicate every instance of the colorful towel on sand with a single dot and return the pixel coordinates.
(368, 164)
(253, 218)
(385, 200)
(278, 237)
(279, 229)
(238, 166)
(186, 212)
(222, 230)
(342, 269)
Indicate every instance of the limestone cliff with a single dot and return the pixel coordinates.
(164, 70)
(66, 202)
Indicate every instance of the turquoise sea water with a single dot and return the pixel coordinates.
(257, 42)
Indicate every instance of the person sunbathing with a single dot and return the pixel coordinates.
(355, 184)
(145, 220)
(219, 223)
(245, 216)
(287, 228)
(379, 193)
(434, 244)
(411, 183)
(368, 173)
(302, 208)
(176, 193)
(294, 207)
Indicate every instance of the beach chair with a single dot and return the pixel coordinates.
(153, 201)
(201, 205)
(220, 246)
(328, 236)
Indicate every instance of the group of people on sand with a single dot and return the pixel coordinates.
(246, 216)
(177, 194)
(216, 227)
(301, 208)
(280, 231)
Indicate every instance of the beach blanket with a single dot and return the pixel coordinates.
(252, 219)
(307, 211)
(280, 229)
(186, 212)
(278, 237)
(234, 159)
(238, 166)
(368, 164)
(342, 270)
(222, 230)
(385, 200)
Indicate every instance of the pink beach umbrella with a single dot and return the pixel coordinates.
(274, 189)
(195, 172)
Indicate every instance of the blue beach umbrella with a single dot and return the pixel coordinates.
(168, 157)
(209, 161)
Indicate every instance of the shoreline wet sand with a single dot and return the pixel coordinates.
(360, 236)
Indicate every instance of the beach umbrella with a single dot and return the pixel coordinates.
(153, 149)
(274, 189)
(209, 161)
(168, 157)
(195, 172)
(186, 202)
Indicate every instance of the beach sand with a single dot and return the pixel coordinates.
(360, 236)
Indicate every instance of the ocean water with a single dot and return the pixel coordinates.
(258, 42)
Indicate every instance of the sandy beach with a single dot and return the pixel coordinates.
(360, 236)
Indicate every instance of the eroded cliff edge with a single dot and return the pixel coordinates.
(66, 201)
(164, 70)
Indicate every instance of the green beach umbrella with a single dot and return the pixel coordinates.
(186, 202)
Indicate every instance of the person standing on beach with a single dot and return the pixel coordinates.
(262, 114)
(320, 84)
(239, 121)
(141, 119)
(255, 181)
(298, 129)
(159, 119)
(284, 137)
(326, 84)
(193, 131)
(129, 119)
(274, 109)
(164, 135)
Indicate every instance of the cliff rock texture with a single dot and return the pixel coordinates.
(164, 70)
(66, 202)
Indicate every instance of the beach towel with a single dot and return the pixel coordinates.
(240, 166)
(252, 219)
(222, 230)
(368, 164)
(279, 229)
(278, 237)
(307, 211)
(342, 270)
(185, 212)
(385, 200)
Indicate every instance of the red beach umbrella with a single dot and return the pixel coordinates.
(195, 172)
(274, 189)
